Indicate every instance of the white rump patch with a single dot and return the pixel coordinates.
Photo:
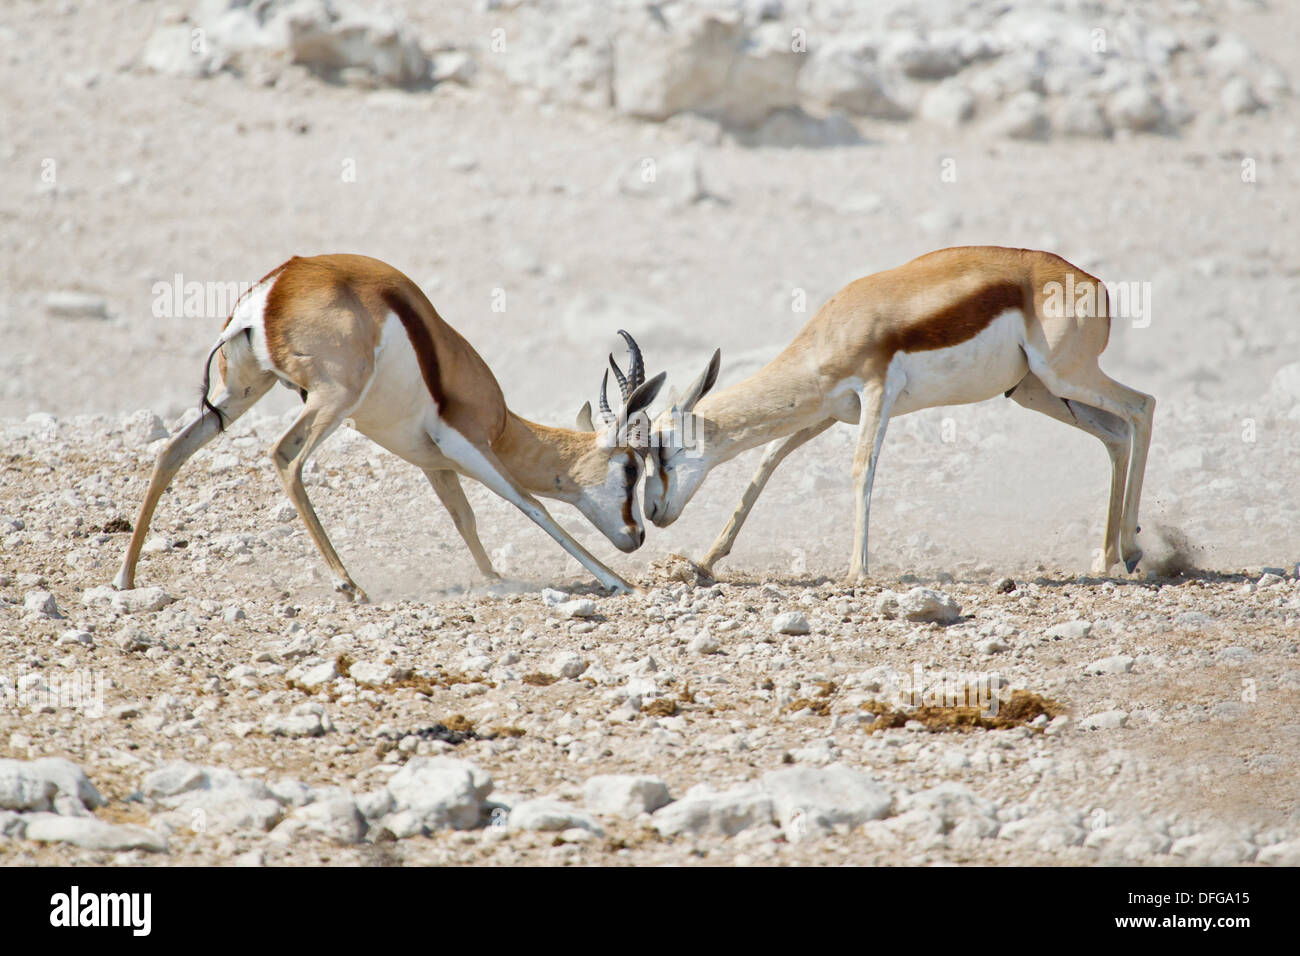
(250, 315)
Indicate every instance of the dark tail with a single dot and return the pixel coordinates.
(207, 382)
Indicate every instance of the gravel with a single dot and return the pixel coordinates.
(203, 663)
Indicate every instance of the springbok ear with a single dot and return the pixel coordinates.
(700, 387)
(637, 402)
(585, 424)
(645, 393)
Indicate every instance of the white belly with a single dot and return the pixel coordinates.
(979, 368)
(396, 410)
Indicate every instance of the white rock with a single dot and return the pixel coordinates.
(1136, 840)
(1238, 98)
(549, 816)
(1284, 387)
(99, 596)
(173, 779)
(375, 804)
(581, 608)
(42, 603)
(331, 38)
(1216, 847)
(1048, 831)
(1106, 720)
(675, 178)
(143, 427)
(1070, 630)
(841, 74)
(708, 813)
(624, 795)
(1235, 656)
(91, 833)
(298, 723)
(810, 801)
(320, 674)
(211, 799)
(791, 622)
(567, 664)
(441, 792)
(373, 674)
(1116, 664)
(928, 605)
(705, 62)
(454, 66)
(293, 793)
(948, 105)
(704, 643)
(74, 793)
(948, 814)
(140, 600)
(76, 305)
(1281, 854)
(552, 598)
(334, 818)
(21, 788)
(170, 50)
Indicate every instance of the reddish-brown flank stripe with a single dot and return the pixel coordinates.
(421, 341)
(959, 322)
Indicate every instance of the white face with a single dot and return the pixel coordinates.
(673, 473)
(612, 507)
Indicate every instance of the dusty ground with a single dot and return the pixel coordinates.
(475, 190)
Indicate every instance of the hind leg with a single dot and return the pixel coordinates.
(1091, 386)
(325, 410)
(1111, 430)
(231, 402)
(447, 484)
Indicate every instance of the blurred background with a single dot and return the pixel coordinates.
(704, 175)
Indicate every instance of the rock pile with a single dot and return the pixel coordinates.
(781, 73)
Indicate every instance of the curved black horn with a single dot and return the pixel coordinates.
(622, 382)
(605, 413)
(636, 371)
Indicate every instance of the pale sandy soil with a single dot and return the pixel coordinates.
(220, 181)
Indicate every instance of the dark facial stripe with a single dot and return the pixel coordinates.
(629, 474)
(421, 341)
(961, 321)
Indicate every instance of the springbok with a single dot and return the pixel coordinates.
(952, 327)
(358, 339)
